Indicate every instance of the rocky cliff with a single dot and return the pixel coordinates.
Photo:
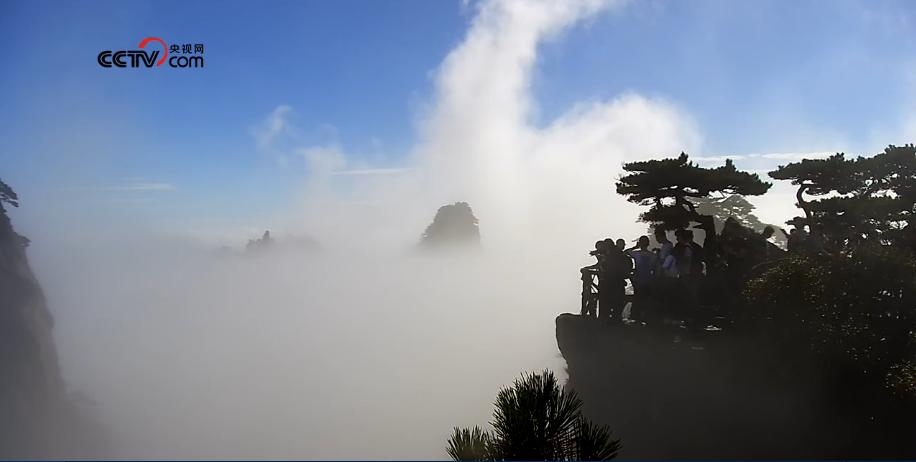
(669, 393)
(36, 417)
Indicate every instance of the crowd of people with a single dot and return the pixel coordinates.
(669, 274)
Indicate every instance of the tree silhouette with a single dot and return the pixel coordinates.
(672, 187)
(816, 176)
(728, 206)
(861, 207)
(7, 196)
(850, 314)
(855, 200)
(535, 420)
(470, 444)
(844, 317)
(850, 309)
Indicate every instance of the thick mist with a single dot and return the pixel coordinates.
(290, 355)
(366, 349)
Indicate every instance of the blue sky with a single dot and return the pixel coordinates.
(169, 145)
(744, 69)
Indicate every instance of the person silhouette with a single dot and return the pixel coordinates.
(664, 251)
(689, 262)
(613, 281)
(644, 261)
(589, 282)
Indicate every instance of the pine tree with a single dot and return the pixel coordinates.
(671, 188)
(8, 196)
(535, 419)
(866, 199)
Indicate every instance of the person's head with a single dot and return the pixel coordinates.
(642, 242)
(680, 236)
(607, 245)
(688, 235)
(620, 244)
(768, 232)
(660, 234)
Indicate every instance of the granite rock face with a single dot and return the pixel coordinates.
(670, 393)
(37, 420)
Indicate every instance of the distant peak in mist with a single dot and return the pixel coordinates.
(454, 224)
(268, 242)
(256, 245)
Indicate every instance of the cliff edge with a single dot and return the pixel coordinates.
(671, 393)
(36, 418)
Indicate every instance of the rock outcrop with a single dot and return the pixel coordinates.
(670, 393)
(453, 226)
(37, 419)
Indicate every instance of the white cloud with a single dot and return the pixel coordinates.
(716, 159)
(789, 156)
(273, 126)
(909, 130)
(794, 156)
(477, 143)
(371, 171)
(323, 160)
(143, 186)
(130, 184)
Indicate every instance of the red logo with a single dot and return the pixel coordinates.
(165, 48)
